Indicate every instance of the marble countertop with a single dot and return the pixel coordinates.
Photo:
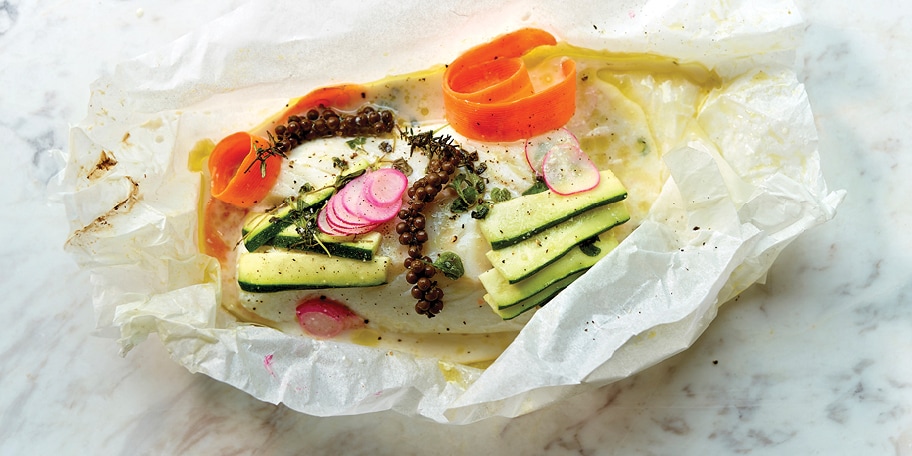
(816, 361)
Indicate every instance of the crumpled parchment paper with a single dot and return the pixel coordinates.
(731, 205)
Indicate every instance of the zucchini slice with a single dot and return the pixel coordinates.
(538, 299)
(518, 219)
(260, 229)
(502, 293)
(521, 260)
(265, 272)
(358, 247)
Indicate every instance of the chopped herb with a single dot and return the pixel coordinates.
(402, 165)
(450, 264)
(340, 163)
(469, 187)
(356, 143)
(481, 211)
(538, 187)
(499, 195)
(458, 206)
(589, 248)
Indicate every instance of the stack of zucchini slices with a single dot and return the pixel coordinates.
(540, 243)
(277, 258)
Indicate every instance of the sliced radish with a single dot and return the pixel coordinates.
(330, 223)
(535, 154)
(536, 148)
(324, 318)
(341, 219)
(379, 214)
(385, 186)
(353, 209)
(355, 206)
(350, 200)
(568, 170)
(328, 227)
(364, 203)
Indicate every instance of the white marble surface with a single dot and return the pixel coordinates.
(815, 362)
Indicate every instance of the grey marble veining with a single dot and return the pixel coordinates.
(816, 361)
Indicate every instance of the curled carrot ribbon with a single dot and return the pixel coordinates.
(236, 178)
(488, 95)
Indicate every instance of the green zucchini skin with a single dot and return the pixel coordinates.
(513, 221)
(267, 272)
(520, 261)
(261, 229)
(502, 294)
(357, 247)
(538, 299)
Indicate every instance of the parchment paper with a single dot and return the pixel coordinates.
(733, 202)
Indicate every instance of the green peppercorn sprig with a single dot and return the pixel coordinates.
(444, 158)
(323, 122)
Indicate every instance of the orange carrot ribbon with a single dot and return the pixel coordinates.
(236, 177)
(488, 95)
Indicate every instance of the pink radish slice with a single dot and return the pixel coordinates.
(357, 195)
(326, 226)
(324, 318)
(359, 215)
(535, 154)
(364, 203)
(568, 170)
(330, 223)
(385, 186)
(341, 219)
(355, 206)
(363, 210)
(536, 148)
(381, 214)
(351, 200)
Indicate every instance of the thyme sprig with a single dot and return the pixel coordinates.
(303, 215)
(304, 218)
(263, 154)
(437, 146)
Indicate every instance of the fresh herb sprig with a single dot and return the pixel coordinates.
(468, 187)
(304, 218)
(441, 147)
(264, 153)
(304, 215)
